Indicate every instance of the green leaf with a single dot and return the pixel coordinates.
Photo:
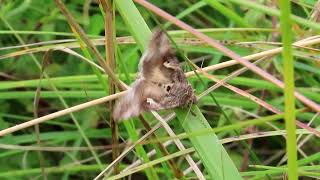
(136, 24)
(211, 152)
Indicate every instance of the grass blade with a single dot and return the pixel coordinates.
(213, 155)
(274, 12)
(137, 26)
(227, 12)
(286, 25)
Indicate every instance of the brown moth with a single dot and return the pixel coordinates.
(160, 84)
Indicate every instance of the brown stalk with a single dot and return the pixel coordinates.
(36, 113)
(89, 44)
(69, 43)
(56, 148)
(177, 172)
(315, 16)
(60, 113)
(110, 59)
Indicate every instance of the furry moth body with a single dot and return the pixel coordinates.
(160, 84)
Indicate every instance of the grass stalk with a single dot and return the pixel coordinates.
(88, 42)
(286, 34)
(110, 59)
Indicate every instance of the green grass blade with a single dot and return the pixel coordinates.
(227, 12)
(137, 26)
(213, 155)
(286, 25)
(274, 12)
(187, 11)
(134, 136)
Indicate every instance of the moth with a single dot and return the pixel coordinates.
(160, 84)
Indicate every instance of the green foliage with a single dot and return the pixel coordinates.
(244, 26)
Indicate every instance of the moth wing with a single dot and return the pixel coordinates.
(160, 43)
(129, 105)
(158, 47)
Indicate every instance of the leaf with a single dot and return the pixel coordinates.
(213, 155)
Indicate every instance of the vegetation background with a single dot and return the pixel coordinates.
(54, 55)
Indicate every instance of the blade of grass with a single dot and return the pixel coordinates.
(286, 34)
(43, 33)
(63, 136)
(187, 11)
(26, 118)
(132, 131)
(52, 170)
(237, 126)
(215, 158)
(303, 171)
(227, 12)
(137, 26)
(275, 12)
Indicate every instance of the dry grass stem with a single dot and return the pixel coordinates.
(60, 113)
